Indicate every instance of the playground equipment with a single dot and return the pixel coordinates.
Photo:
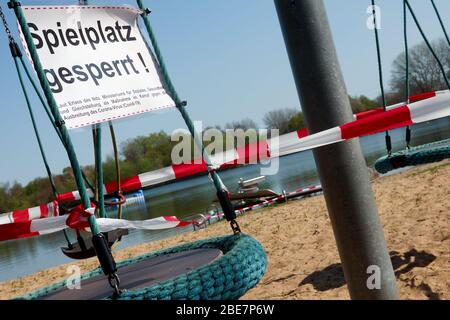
(413, 156)
(220, 284)
(80, 249)
(214, 264)
(249, 193)
(428, 153)
(425, 108)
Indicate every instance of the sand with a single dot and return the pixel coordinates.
(303, 260)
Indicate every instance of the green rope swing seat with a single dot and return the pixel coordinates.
(232, 265)
(427, 153)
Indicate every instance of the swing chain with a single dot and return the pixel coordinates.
(5, 24)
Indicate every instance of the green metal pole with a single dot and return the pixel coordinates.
(55, 112)
(222, 191)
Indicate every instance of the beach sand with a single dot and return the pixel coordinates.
(414, 209)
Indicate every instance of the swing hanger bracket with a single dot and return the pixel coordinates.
(14, 4)
(15, 50)
(235, 227)
(146, 12)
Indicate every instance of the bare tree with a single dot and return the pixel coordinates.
(243, 124)
(424, 72)
(279, 119)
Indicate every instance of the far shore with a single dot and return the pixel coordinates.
(304, 263)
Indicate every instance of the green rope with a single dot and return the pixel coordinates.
(440, 21)
(405, 35)
(222, 192)
(36, 131)
(49, 115)
(16, 54)
(55, 112)
(99, 170)
(239, 269)
(441, 66)
(173, 93)
(38, 138)
(407, 81)
(380, 74)
(117, 165)
(16, 57)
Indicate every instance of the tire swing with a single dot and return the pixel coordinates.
(219, 268)
(225, 268)
(427, 153)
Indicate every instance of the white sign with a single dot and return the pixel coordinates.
(96, 62)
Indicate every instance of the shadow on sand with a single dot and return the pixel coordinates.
(332, 277)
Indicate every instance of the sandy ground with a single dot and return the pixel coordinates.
(303, 259)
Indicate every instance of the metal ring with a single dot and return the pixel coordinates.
(114, 282)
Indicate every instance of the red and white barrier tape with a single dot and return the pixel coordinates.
(283, 197)
(423, 107)
(44, 211)
(422, 111)
(264, 204)
(44, 219)
(27, 229)
(78, 220)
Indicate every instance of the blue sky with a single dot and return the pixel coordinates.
(227, 59)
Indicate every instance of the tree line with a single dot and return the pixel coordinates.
(151, 152)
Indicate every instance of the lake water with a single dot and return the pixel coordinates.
(185, 198)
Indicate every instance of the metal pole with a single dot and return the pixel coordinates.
(342, 168)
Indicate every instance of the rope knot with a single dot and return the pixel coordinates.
(181, 104)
